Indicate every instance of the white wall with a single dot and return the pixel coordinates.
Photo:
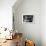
(30, 30)
(6, 13)
(43, 22)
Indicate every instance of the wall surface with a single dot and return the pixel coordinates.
(6, 13)
(43, 22)
(29, 30)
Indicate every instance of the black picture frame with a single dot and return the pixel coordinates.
(27, 18)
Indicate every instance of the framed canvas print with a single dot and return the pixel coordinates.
(28, 18)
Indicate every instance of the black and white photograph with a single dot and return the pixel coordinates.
(27, 18)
